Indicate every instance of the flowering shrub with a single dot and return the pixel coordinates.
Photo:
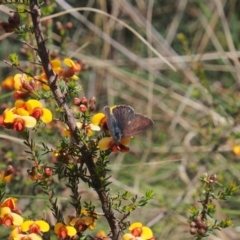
(77, 142)
(81, 154)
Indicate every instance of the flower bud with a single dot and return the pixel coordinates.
(59, 25)
(48, 171)
(201, 231)
(84, 101)
(193, 224)
(14, 20)
(33, 84)
(92, 104)
(69, 25)
(9, 171)
(213, 178)
(193, 231)
(21, 95)
(77, 101)
(27, 86)
(82, 108)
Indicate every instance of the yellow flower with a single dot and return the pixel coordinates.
(86, 220)
(109, 143)
(19, 80)
(64, 231)
(138, 230)
(32, 108)
(236, 150)
(31, 236)
(72, 69)
(88, 128)
(35, 226)
(36, 110)
(56, 65)
(9, 218)
(129, 236)
(17, 122)
(15, 232)
(8, 83)
(6, 175)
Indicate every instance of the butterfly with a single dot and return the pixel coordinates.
(123, 122)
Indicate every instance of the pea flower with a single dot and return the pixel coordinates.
(236, 150)
(25, 236)
(9, 218)
(33, 108)
(15, 232)
(22, 82)
(85, 221)
(138, 232)
(9, 202)
(8, 83)
(63, 231)
(6, 175)
(102, 235)
(72, 69)
(88, 128)
(35, 226)
(17, 122)
(56, 66)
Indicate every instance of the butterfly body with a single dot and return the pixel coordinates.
(123, 122)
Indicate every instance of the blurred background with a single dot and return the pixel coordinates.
(191, 93)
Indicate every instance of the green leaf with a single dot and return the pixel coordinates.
(13, 58)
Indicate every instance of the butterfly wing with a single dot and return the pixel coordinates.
(124, 122)
(117, 120)
(136, 125)
(111, 121)
(129, 122)
(123, 114)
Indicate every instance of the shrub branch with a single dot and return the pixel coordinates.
(86, 156)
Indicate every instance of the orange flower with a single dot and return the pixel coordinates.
(56, 66)
(6, 175)
(19, 79)
(9, 202)
(109, 143)
(31, 236)
(73, 68)
(129, 236)
(64, 231)
(24, 83)
(85, 221)
(44, 81)
(16, 122)
(8, 83)
(9, 218)
(33, 108)
(138, 230)
(102, 235)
